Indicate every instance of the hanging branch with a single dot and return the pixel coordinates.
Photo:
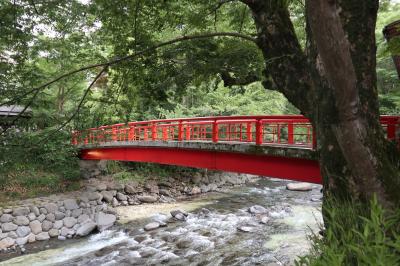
(88, 89)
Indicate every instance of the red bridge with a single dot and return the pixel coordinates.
(274, 146)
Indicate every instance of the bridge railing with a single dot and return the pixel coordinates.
(290, 130)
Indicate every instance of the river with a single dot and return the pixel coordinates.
(219, 230)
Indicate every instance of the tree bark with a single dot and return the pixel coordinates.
(334, 84)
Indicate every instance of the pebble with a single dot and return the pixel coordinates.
(299, 186)
(245, 229)
(151, 226)
(257, 209)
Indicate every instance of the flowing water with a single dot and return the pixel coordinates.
(219, 230)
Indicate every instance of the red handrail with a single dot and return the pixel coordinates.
(289, 130)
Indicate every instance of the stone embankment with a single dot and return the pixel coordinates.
(80, 213)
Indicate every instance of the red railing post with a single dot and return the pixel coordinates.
(215, 131)
(259, 133)
(131, 135)
(249, 134)
(114, 133)
(188, 129)
(164, 134)
(180, 131)
(154, 131)
(290, 133)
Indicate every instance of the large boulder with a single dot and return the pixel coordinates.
(70, 204)
(105, 220)
(107, 196)
(69, 221)
(42, 236)
(51, 207)
(147, 199)
(23, 231)
(6, 243)
(36, 227)
(7, 227)
(6, 218)
(86, 228)
(21, 220)
(21, 211)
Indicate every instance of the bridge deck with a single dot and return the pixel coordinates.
(275, 146)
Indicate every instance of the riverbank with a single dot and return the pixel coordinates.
(262, 223)
(79, 213)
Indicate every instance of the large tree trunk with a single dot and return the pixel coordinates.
(334, 84)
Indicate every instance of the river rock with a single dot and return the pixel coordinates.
(130, 189)
(46, 226)
(41, 218)
(116, 186)
(86, 228)
(75, 213)
(6, 218)
(176, 212)
(62, 238)
(195, 190)
(3, 235)
(151, 186)
(36, 227)
(35, 210)
(147, 199)
(59, 215)
(51, 217)
(21, 241)
(7, 227)
(67, 231)
(94, 196)
(69, 221)
(53, 232)
(23, 231)
(70, 204)
(151, 226)
(121, 197)
(165, 192)
(31, 238)
(13, 235)
(245, 229)
(114, 202)
(58, 224)
(104, 220)
(43, 211)
(299, 186)
(264, 219)
(6, 243)
(51, 207)
(101, 187)
(21, 211)
(257, 209)
(107, 196)
(31, 216)
(43, 236)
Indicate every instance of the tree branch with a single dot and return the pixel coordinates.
(129, 57)
(233, 81)
(80, 103)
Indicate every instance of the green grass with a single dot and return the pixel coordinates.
(356, 235)
(28, 181)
